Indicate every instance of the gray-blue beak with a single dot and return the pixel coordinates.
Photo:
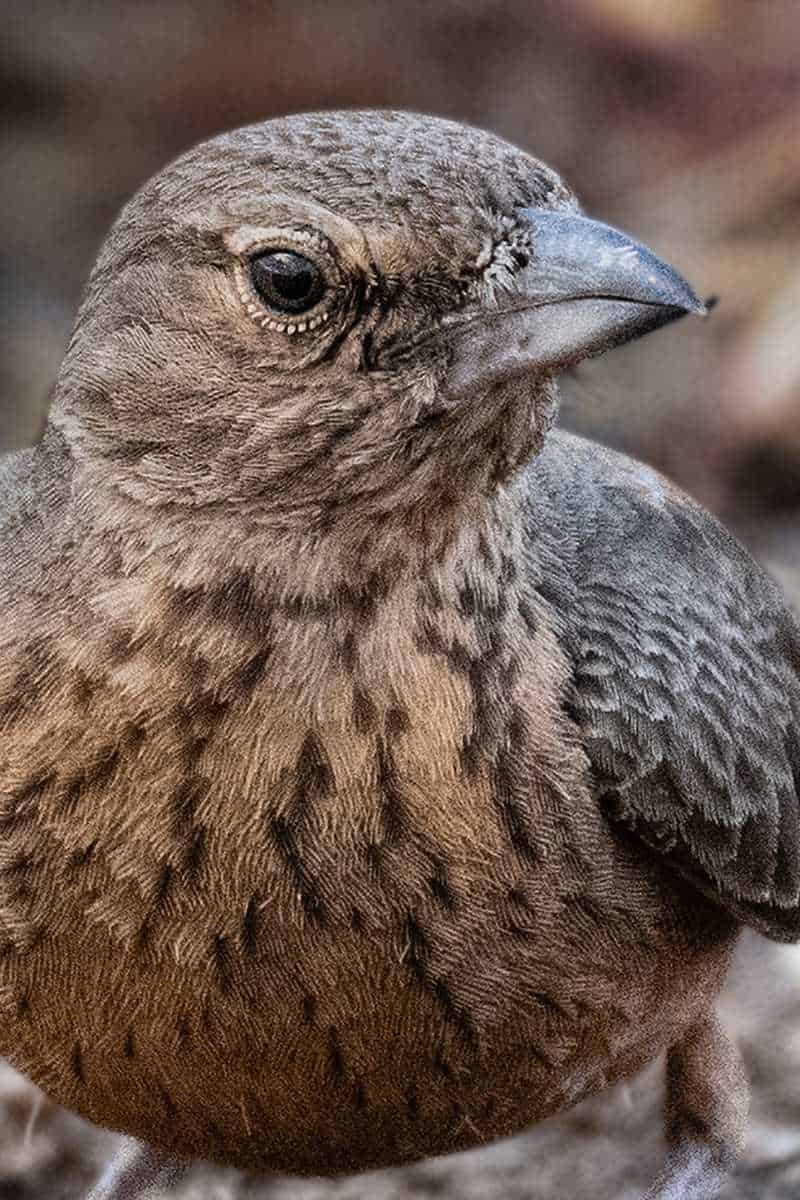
(576, 258)
(584, 288)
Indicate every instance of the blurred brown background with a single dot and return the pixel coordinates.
(679, 121)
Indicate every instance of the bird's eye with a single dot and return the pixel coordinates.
(287, 281)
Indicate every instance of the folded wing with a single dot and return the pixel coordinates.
(686, 683)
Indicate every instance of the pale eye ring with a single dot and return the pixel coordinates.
(286, 280)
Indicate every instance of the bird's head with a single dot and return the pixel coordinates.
(344, 320)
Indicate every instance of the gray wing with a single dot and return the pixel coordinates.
(686, 678)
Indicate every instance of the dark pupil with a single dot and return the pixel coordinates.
(287, 281)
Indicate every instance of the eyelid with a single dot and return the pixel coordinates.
(248, 241)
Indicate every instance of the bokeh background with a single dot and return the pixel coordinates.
(679, 121)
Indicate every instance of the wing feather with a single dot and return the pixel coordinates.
(686, 684)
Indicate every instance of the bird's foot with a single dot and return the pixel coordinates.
(706, 1113)
(134, 1171)
(693, 1171)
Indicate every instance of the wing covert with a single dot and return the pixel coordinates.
(686, 686)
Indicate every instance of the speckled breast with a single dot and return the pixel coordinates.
(410, 1004)
(317, 918)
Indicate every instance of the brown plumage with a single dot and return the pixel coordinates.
(377, 776)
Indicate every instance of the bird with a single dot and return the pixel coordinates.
(383, 769)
